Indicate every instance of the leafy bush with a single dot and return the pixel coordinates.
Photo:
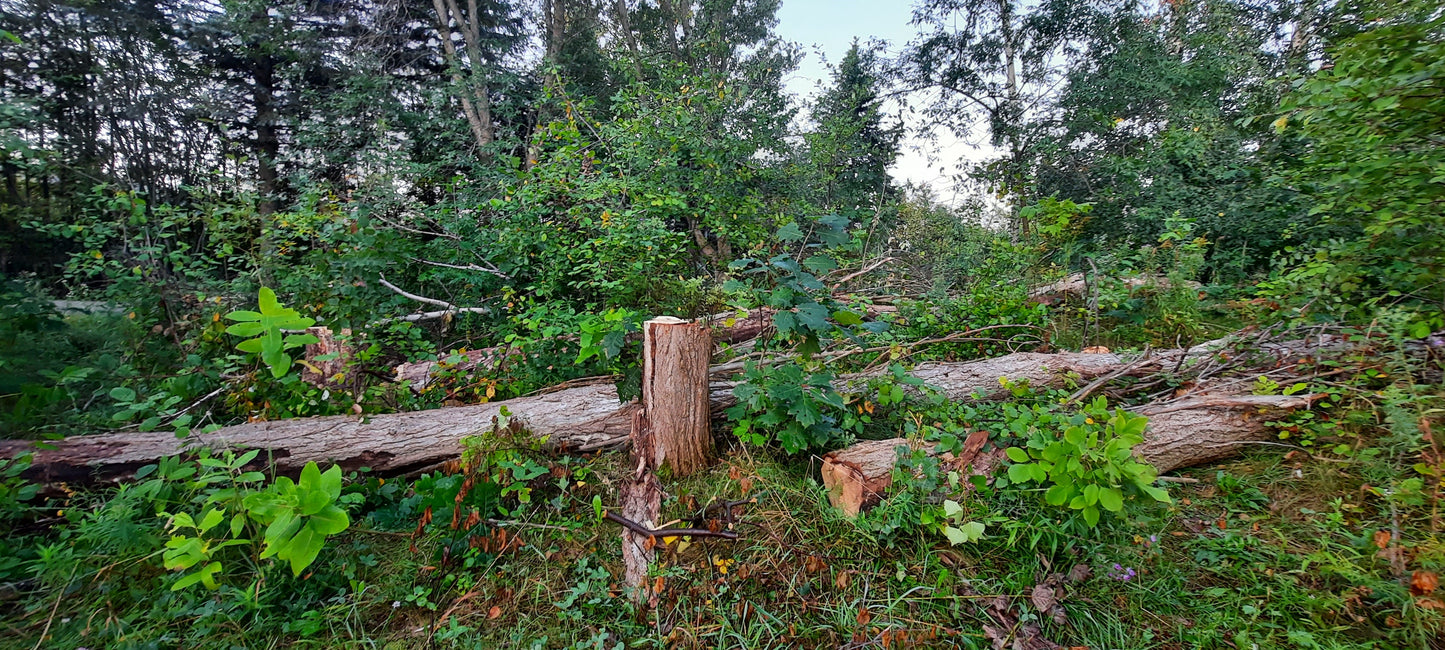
(1089, 465)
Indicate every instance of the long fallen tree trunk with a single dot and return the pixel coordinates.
(1182, 434)
(586, 418)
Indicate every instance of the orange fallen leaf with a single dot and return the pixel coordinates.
(864, 616)
(1382, 538)
(494, 612)
(1424, 583)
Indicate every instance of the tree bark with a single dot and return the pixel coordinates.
(1183, 434)
(675, 355)
(642, 503)
(590, 418)
(328, 373)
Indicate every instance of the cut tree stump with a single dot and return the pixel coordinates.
(858, 477)
(675, 355)
(331, 372)
(641, 497)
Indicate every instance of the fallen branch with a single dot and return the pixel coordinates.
(667, 532)
(447, 307)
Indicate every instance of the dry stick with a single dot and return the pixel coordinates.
(667, 532)
(1094, 385)
(51, 619)
(868, 269)
(447, 307)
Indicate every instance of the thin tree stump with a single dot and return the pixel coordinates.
(641, 502)
(331, 372)
(675, 356)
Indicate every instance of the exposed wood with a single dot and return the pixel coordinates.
(857, 478)
(1182, 434)
(330, 372)
(642, 505)
(675, 357)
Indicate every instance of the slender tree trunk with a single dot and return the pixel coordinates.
(478, 118)
(675, 356)
(268, 142)
(625, 24)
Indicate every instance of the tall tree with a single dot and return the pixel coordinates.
(851, 146)
(993, 63)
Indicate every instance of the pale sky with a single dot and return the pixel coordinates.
(827, 28)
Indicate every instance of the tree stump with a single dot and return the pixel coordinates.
(675, 355)
(331, 371)
(641, 502)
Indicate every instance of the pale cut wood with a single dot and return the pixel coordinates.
(858, 477)
(1182, 434)
(641, 497)
(675, 355)
(329, 373)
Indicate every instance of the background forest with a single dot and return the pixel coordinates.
(529, 181)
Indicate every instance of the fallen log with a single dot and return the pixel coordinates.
(577, 419)
(1181, 434)
(586, 418)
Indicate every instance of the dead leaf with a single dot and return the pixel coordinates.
(1043, 597)
(1080, 573)
(864, 616)
(841, 582)
(814, 564)
(1429, 603)
(494, 612)
(746, 484)
(658, 585)
(1095, 349)
(1424, 583)
(1382, 538)
(733, 473)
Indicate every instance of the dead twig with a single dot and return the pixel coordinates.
(644, 531)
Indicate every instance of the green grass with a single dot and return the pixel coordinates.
(1263, 552)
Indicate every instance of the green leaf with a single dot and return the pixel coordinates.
(1021, 472)
(303, 549)
(331, 482)
(269, 305)
(122, 394)
(1017, 455)
(813, 316)
(820, 264)
(1091, 515)
(847, 318)
(969, 532)
(790, 232)
(244, 316)
(329, 520)
(951, 507)
(1057, 495)
(211, 519)
(1112, 499)
(245, 329)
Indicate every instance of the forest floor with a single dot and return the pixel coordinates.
(1271, 550)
